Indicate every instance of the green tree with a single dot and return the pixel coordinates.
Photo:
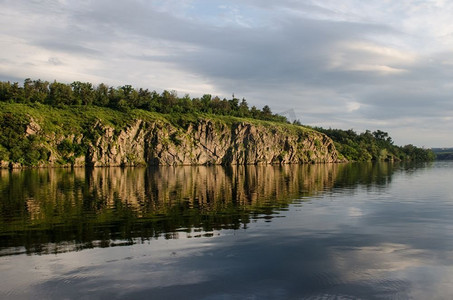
(244, 109)
(60, 94)
(39, 91)
(101, 95)
(83, 93)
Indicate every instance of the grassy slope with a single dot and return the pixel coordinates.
(75, 120)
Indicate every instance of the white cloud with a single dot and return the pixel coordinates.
(348, 64)
(353, 106)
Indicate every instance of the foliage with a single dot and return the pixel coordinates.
(443, 153)
(68, 131)
(76, 109)
(373, 146)
(14, 147)
(126, 97)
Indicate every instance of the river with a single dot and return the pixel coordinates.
(327, 231)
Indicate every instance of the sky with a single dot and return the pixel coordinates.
(349, 64)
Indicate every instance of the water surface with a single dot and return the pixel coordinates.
(333, 231)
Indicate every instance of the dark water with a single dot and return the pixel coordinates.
(352, 231)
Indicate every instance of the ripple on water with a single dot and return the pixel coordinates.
(331, 297)
(325, 279)
(391, 288)
(328, 285)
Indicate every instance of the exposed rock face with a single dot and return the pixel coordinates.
(126, 148)
(201, 142)
(207, 142)
(32, 128)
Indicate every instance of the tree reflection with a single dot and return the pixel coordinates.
(57, 210)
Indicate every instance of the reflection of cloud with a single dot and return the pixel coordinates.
(355, 212)
(377, 261)
(314, 251)
(393, 266)
(35, 276)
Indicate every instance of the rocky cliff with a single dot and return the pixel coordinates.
(200, 141)
(207, 143)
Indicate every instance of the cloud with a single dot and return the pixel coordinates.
(357, 64)
(54, 61)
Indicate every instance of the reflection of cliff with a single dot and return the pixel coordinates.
(210, 188)
(91, 206)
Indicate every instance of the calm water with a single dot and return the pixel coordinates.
(352, 231)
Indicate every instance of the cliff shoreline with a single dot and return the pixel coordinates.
(145, 140)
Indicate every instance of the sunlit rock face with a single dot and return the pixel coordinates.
(209, 143)
(179, 142)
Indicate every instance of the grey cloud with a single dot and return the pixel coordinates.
(282, 60)
(294, 50)
(67, 47)
(54, 61)
(8, 77)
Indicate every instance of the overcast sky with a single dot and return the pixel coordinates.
(350, 64)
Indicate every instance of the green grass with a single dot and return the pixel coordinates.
(61, 126)
(75, 119)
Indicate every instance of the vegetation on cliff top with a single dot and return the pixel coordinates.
(373, 146)
(31, 133)
(126, 97)
(65, 109)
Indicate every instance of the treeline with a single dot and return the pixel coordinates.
(374, 146)
(443, 153)
(367, 146)
(126, 97)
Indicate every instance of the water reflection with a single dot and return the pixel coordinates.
(59, 210)
(355, 231)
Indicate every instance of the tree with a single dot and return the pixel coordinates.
(186, 104)
(266, 113)
(60, 94)
(234, 104)
(244, 109)
(206, 100)
(101, 95)
(39, 91)
(168, 100)
(144, 98)
(83, 93)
